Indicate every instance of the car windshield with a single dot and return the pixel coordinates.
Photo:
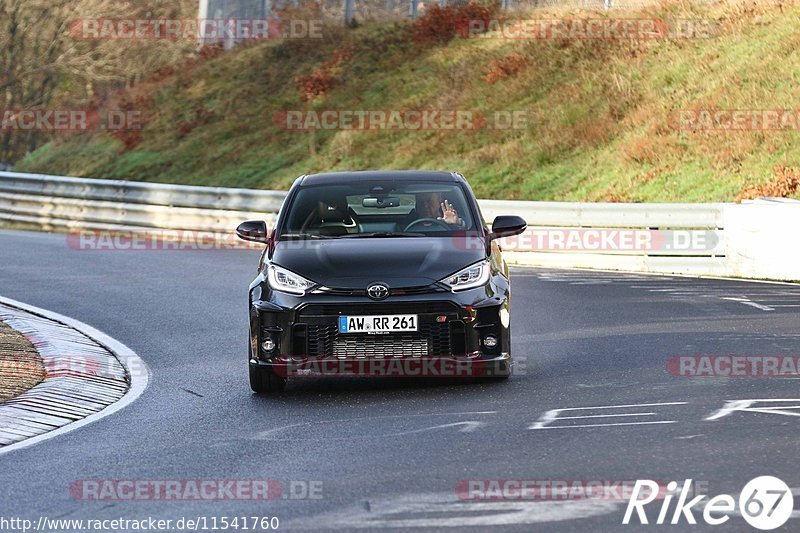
(378, 209)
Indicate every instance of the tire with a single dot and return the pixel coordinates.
(264, 381)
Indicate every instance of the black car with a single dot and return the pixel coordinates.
(390, 273)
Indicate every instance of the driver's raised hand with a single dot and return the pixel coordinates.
(450, 214)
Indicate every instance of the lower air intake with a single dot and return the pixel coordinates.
(380, 346)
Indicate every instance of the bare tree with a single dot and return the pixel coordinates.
(43, 63)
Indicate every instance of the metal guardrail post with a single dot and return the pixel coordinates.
(349, 11)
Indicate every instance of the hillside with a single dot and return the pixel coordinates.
(603, 116)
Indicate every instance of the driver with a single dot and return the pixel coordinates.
(430, 205)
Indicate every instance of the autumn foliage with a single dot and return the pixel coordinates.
(320, 81)
(505, 67)
(441, 24)
(786, 183)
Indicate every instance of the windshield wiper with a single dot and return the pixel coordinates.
(383, 234)
(288, 236)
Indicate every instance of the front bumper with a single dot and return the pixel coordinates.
(451, 340)
(408, 367)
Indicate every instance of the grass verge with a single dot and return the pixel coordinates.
(20, 365)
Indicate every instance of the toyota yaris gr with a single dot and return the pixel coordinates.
(390, 273)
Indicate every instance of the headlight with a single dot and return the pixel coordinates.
(469, 278)
(284, 280)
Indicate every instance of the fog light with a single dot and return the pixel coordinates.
(268, 345)
(490, 341)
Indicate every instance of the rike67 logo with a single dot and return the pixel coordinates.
(765, 503)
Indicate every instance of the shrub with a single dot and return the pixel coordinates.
(320, 81)
(441, 24)
(785, 184)
(505, 67)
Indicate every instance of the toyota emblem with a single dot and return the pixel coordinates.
(378, 291)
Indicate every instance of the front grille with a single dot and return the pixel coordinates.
(381, 308)
(325, 340)
(322, 338)
(392, 292)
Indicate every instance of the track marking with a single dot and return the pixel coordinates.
(608, 424)
(733, 406)
(747, 301)
(604, 416)
(674, 286)
(552, 416)
(567, 271)
(470, 426)
(445, 510)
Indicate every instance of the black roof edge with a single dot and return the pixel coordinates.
(365, 175)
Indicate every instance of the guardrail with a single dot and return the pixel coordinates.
(661, 238)
(56, 202)
(695, 239)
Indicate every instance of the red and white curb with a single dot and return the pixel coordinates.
(89, 376)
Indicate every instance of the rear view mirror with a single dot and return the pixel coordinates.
(253, 230)
(381, 203)
(505, 226)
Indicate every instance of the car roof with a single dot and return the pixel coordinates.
(380, 175)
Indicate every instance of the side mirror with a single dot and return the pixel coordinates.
(505, 226)
(253, 230)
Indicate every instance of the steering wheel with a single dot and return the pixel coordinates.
(440, 223)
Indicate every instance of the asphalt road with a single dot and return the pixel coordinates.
(389, 453)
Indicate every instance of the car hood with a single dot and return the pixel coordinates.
(397, 261)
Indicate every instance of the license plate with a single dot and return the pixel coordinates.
(377, 323)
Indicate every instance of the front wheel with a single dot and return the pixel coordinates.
(265, 381)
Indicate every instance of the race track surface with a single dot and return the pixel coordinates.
(390, 453)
